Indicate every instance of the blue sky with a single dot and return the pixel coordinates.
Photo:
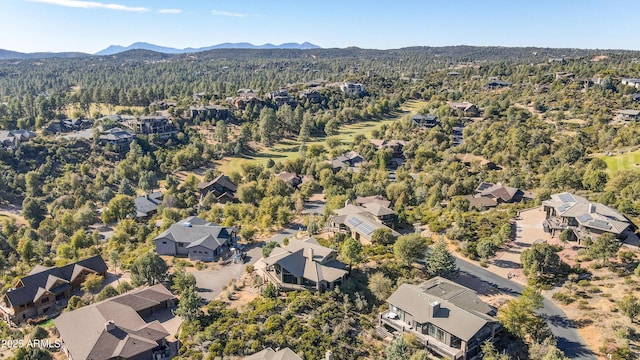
(90, 26)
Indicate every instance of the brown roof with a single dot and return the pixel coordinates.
(112, 328)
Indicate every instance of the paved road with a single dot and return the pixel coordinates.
(569, 341)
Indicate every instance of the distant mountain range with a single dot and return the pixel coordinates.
(115, 49)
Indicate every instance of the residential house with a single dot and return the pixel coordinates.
(10, 139)
(117, 137)
(496, 84)
(631, 82)
(45, 290)
(453, 73)
(490, 195)
(465, 108)
(351, 160)
(635, 97)
(121, 327)
(147, 205)
(362, 221)
(311, 95)
(582, 218)
(377, 199)
(396, 146)
(216, 112)
(67, 125)
(195, 238)
(221, 187)
(426, 121)
(470, 159)
(269, 354)
(162, 104)
(294, 180)
(562, 75)
(281, 97)
(350, 88)
(627, 115)
(244, 98)
(303, 265)
(448, 318)
(148, 125)
(558, 60)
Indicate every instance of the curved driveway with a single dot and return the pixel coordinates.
(569, 341)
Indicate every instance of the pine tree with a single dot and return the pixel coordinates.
(440, 262)
(189, 304)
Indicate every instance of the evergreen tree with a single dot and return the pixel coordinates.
(440, 262)
(398, 349)
(125, 188)
(189, 304)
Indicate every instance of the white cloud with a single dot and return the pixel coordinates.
(227, 13)
(169, 11)
(92, 5)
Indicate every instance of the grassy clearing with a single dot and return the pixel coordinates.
(288, 148)
(620, 162)
(104, 109)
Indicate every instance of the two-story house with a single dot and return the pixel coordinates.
(582, 218)
(196, 238)
(117, 137)
(123, 327)
(303, 265)
(221, 187)
(362, 221)
(448, 318)
(45, 290)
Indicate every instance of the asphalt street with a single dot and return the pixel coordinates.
(569, 341)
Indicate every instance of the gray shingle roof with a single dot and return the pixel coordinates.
(458, 306)
(147, 203)
(588, 214)
(308, 260)
(195, 231)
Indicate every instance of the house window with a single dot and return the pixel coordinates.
(180, 244)
(206, 252)
(164, 242)
(456, 342)
(437, 333)
(45, 300)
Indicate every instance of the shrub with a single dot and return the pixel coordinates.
(584, 283)
(583, 305)
(564, 298)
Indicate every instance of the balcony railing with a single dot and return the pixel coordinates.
(429, 341)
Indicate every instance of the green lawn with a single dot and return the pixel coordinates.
(288, 149)
(627, 161)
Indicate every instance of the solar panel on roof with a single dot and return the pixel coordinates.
(354, 222)
(600, 224)
(584, 218)
(566, 198)
(564, 207)
(366, 228)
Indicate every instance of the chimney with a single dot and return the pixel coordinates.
(328, 355)
(309, 253)
(435, 307)
(109, 326)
